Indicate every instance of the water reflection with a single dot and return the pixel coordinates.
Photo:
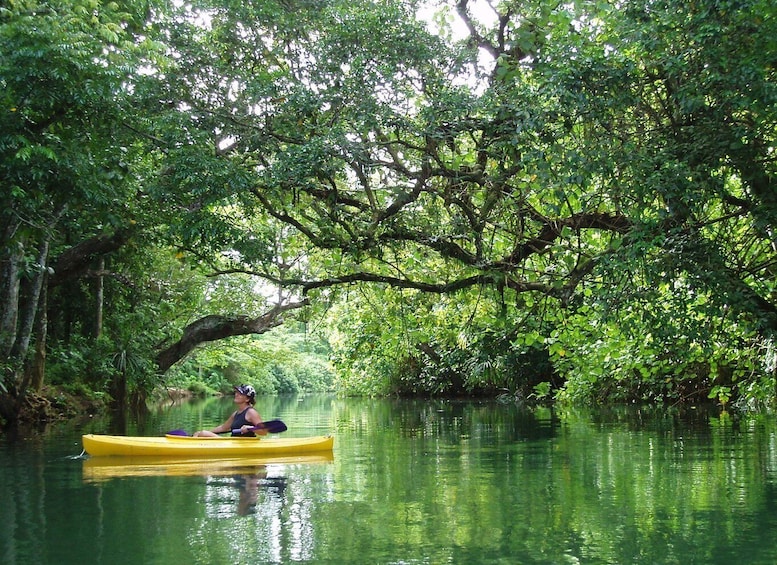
(411, 482)
(96, 469)
(239, 495)
(248, 485)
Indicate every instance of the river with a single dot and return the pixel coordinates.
(410, 482)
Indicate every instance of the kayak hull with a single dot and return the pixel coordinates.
(183, 446)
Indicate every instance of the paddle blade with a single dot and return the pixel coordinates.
(177, 433)
(275, 426)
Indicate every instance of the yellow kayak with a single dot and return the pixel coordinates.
(97, 469)
(184, 446)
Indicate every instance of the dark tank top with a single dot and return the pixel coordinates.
(240, 420)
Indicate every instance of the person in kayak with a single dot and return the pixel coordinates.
(242, 420)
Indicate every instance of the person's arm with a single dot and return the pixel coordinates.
(220, 429)
(253, 416)
(225, 427)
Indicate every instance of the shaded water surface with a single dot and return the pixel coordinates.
(409, 482)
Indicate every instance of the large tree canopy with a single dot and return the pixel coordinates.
(611, 163)
(578, 193)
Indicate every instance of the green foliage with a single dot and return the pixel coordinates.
(284, 361)
(409, 343)
(575, 201)
(199, 388)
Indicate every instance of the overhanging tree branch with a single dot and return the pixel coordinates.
(214, 327)
(75, 261)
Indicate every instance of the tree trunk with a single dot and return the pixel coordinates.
(99, 298)
(9, 292)
(27, 315)
(38, 368)
(29, 305)
(20, 306)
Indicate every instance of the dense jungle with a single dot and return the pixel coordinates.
(543, 201)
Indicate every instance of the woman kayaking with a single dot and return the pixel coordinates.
(243, 420)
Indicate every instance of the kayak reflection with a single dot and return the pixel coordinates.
(97, 469)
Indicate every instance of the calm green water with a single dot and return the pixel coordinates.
(410, 482)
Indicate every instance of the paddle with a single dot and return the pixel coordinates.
(272, 426)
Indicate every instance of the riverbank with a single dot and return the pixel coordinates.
(54, 403)
(58, 404)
